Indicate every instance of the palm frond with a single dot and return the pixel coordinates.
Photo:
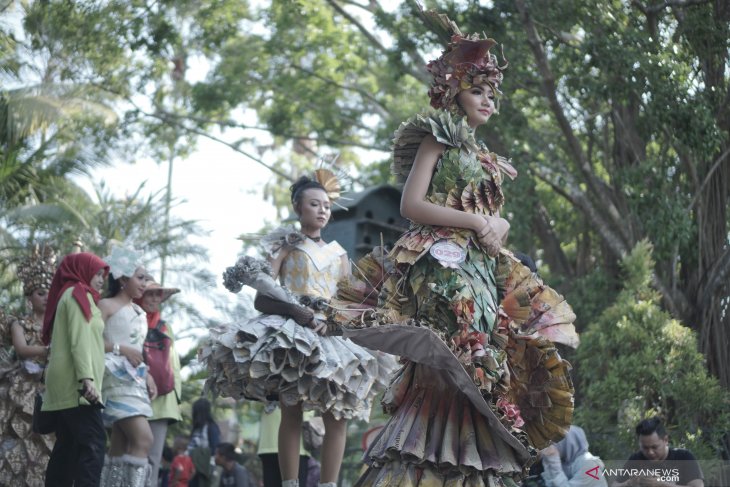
(57, 212)
(26, 111)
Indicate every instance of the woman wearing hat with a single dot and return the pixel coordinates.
(21, 375)
(128, 387)
(480, 388)
(164, 367)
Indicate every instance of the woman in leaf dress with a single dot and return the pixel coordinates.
(24, 454)
(482, 386)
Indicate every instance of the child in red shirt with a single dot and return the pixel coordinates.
(181, 468)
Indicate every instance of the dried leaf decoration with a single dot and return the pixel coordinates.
(453, 200)
(329, 182)
(468, 198)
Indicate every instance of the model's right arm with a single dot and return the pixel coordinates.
(413, 203)
(21, 346)
(490, 230)
(277, 260)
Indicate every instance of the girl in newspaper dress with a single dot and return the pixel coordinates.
(287, 354)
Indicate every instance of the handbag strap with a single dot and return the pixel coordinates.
(45, 366)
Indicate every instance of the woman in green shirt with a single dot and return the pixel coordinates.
(73, 327)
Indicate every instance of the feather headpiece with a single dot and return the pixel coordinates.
(329, 182)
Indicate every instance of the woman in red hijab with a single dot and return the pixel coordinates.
(73, 327)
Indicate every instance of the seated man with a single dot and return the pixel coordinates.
(657, 465)
(234, 474)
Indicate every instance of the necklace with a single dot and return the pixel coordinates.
(313, 239)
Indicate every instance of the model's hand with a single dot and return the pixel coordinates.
(492, 234)
(132, 354)
(318, 326)
(88, 391)
(151, 387)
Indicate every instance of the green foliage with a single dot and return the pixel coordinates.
(589, 295)
(635, 362)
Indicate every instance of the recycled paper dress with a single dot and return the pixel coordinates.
(23, 454)
(482, 385)
(271, 357)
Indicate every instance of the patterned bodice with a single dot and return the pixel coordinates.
(467, 177)
(312, 270)
(467, 181)
(128, 326)
(31, 331)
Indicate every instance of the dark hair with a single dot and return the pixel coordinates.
(650, 426)
(115, 285)
(527, 261)
(227, 451)
(167, 453)
(201, 413)
(181, 442)
(302, 184)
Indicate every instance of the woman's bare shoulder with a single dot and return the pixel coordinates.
(108, 306)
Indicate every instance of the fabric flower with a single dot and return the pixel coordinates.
(123, 261)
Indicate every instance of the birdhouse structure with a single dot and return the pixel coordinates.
(369, 218)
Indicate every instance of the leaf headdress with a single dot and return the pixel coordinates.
(37, 269)
(465, 62)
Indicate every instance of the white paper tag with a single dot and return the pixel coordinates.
(448, 253)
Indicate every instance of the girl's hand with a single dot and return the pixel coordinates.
(493, 234)
(319, 327)
(133, 355)
(151, 387)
